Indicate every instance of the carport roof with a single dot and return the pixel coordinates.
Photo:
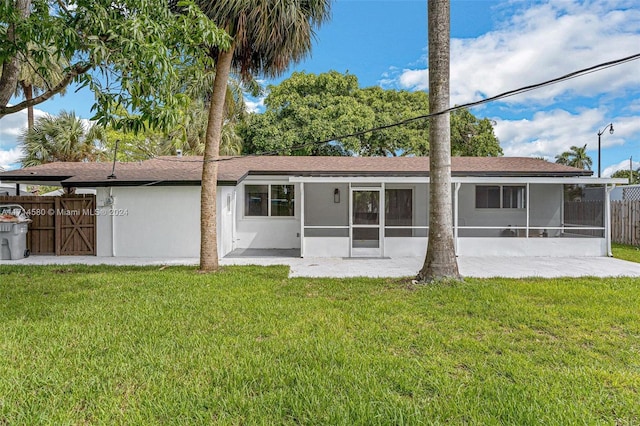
(188, 170)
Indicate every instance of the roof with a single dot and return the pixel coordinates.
(232, 170)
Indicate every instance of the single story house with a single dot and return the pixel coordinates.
(334, 206)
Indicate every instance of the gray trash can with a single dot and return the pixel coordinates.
(13, 232)
(13, 240)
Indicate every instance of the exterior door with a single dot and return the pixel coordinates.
(366, 220)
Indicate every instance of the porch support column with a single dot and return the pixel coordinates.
(528, 207)
(607, 217)
(455, 216)
(301, 219)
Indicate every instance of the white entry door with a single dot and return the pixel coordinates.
(366, 220)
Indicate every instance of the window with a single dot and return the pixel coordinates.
(269, 200)
(487, 197)
(496, 197)
(513, 197)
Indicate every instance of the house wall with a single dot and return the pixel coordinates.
(545, 206)
(161, 221)
(320, 208)
(545, 210)
(266, 232)
(469, 215)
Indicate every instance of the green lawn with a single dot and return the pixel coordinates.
(248, 345)
(625, 252)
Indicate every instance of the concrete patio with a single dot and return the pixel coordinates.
(480, 267)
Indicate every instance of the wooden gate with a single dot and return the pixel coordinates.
(61, 226)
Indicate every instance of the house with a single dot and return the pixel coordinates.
(7, 189)
(334, 206)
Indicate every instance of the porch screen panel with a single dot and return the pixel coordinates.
(256, 200)
(398, 211)
(365, 208)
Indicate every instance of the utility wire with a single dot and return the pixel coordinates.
(507, 94)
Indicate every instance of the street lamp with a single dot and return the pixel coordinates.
(610, 127)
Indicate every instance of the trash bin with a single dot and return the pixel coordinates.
(13, 232)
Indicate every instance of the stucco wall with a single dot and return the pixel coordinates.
(545, 206)
(320, 208)
(161, 221)
(266, 232)
(469, 215)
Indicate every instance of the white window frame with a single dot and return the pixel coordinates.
(268, 185)
(501, 207)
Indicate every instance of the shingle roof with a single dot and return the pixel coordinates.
(188, 170)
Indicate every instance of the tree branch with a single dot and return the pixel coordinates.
(76, 70)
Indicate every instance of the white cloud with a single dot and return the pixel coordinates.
(9, 158)
(254, 105)
(542, 42)
(12, 125)
(623, 165)
(549, 133)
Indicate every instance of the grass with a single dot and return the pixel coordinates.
(106, 345)
(626, 252)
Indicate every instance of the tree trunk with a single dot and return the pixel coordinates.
(440, 262)
(28, 95)
(208, 208)
(11, 67)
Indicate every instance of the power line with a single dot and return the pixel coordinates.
(507, 94)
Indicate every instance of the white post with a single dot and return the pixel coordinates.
(301, 219)
(607, 216)
(527, 197)
(382, 218)
(455, 217)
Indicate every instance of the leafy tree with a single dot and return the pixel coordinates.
(575, 157)
(440, 261)
(624, 174)
(267, 37)
(309, 107)
(130, 53)
(61, 138)
(473, 137)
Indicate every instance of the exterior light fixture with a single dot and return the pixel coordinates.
(336, 195)
(600, 133)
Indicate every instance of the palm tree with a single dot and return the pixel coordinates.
(60, 138)
(440, 261)
(31, 82)
(189, 135)
(267, 37)
(575, 157)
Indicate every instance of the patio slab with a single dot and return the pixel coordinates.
(480, 267)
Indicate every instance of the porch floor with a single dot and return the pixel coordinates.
(480, 267)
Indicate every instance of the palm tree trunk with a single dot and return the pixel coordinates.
(28, 95)
(440, 261)
(208, 212)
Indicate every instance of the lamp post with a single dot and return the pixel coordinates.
(610, 127)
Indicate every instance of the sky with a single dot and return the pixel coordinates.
(496, 46)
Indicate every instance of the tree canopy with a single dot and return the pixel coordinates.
(575, 157)
(130, 53)
(310, 107)
(624, 174)
(61, 138)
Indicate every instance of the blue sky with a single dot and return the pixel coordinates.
(496, 46)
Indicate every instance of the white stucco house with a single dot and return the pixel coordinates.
(333, 206)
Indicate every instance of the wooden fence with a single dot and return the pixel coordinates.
(625, 216)
(60, 226)
(584, 214)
